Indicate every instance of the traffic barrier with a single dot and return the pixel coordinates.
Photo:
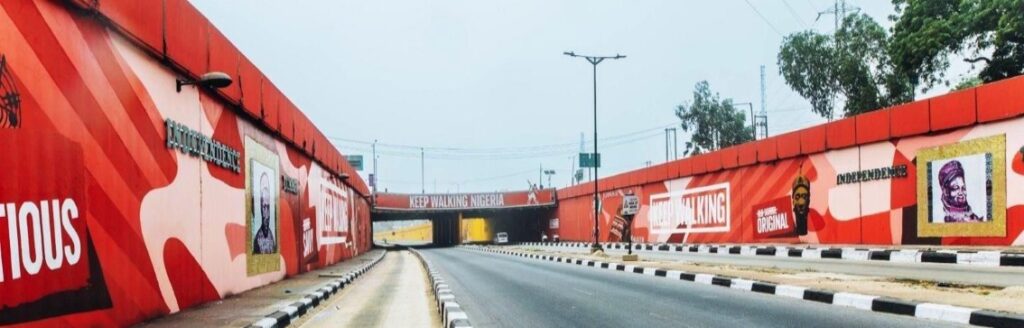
(452, 315)
(285, 315)
(975, 258)
(873, 303)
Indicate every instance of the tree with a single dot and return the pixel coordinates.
(987, 32)
(853, 63)
(714, 122)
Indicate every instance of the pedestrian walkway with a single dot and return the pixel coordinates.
(251, 306)
(394, 294)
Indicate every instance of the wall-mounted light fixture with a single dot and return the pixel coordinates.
(214, 80)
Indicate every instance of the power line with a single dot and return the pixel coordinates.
(547, 153)
(793, 12)
(495, 150)
(765, 19)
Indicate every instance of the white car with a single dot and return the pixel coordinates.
(501, 238)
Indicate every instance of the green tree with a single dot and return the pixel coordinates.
(714, 122)
(852, 63)
(986, 32)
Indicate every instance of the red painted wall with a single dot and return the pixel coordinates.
(760, 176)
(102, 223)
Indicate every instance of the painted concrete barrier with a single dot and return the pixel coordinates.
(972, 258)
(452, 315)
(285, 315)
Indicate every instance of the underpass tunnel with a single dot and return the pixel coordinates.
(452, 228)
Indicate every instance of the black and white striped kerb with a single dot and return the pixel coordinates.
(452, 315)
(977, 258)
(935, 311)
(285, 315)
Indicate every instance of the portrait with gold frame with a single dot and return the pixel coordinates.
(262, 220)
(961, 189)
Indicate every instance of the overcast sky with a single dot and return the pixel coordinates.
(484, 88)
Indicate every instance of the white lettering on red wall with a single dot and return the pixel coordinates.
(35, 237)
(456, 201)
(702, 209)
(774, 219)
(307, 238)
(332, 215)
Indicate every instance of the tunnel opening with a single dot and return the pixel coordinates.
(457, 227)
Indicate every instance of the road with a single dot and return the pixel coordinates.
(395, 293)
(507, 291)
(953, 273)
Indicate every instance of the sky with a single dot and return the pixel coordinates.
(484, 89)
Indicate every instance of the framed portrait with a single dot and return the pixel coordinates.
(261, 208)
(961, 189)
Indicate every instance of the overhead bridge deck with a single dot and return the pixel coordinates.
(522, 214)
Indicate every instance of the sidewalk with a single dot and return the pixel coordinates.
(394, 294)
(249, 307)
(967, 255)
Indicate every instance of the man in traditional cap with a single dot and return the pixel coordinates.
(801, 204)
(954, 194)
(264, 242)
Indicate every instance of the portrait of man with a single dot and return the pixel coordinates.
(961, 189)
(801, 204)
(264, 242)
(954, 194)
(262, 188)
(959, 192)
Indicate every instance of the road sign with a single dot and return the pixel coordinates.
(590, 160)
(630, 205)
(579, 174)
(373, 180)
(356, 161)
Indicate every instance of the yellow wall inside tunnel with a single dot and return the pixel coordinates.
(416, 233)
(476, 230)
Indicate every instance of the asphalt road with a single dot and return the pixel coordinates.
(954, 273)
(506, 291)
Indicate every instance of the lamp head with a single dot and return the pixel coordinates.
(214, 80)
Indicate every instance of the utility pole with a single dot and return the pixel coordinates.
(753, 119)
(594, 60)
(839, 11)
(764, 108)
(583, 149)
(423, 179)
(375, 177)
(671, 144)
(572, 170)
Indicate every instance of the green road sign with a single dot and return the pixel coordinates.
(590, 160)
(356, 161)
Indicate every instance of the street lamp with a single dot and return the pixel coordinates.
(752, 124)
(549, 173)
(594, 60)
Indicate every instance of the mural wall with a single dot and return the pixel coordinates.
(951, 186)
(122, 199)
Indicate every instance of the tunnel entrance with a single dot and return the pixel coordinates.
(471, 218)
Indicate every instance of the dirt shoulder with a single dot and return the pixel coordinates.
(1010, 299)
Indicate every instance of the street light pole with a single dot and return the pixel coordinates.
(423, 179)
(753, 124)
(594, 60)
